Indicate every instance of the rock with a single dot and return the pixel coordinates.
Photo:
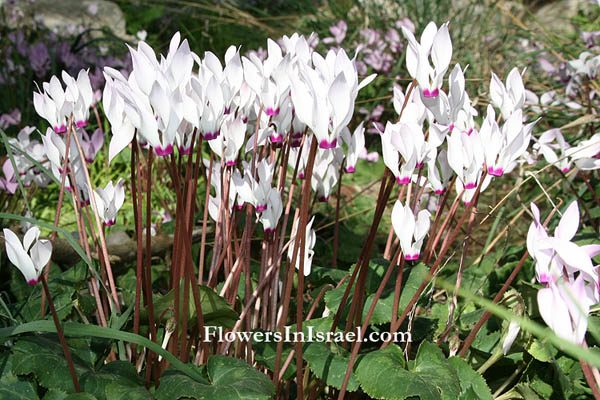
(557, 15)
(68, 16)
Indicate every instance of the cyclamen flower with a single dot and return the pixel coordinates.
(52, 105)
(253, 191)
(309, 243)
(586, 64)
(508, 98)
(31, 256)
(548, 149)
(511, 335)
(466, 157)
(339, 33)
(109, 201)
(453, 110)
(152, 100)
(373, 156)
(438, 179)
(122, 128)
(326, 172)
(410, 231)
(270, 217)
(9, 183)
(56, 104)
(356, 145)
(406, 140)
(228, 144)
(567, 272)
(10, 119)
(556, 254)
(435, 43)
(91, 146)
(564, 307)
(587, 153)
(503, 147)
(80, 93)
(324, 97)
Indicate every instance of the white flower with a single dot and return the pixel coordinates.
(545, 145)
(356, 144)
(587, 153)
(503, 147)
(311, 239)
(410, 231)
(30, 257)
(508, 98)
(511, 335)
(324, 97)
(435, 43)
(109, 201)
(270, 217)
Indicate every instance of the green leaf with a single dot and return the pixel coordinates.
(215, 309)
(329, 363)
(319, 275)
(115, 381)
(72, 328)
(12, 386)
(412, 279)
(53, 394)
(542, 351)
(526, 324)
(44, 358)
(265, 353)
(527, 392)
(16, 388)
(469, 394)
(230, 378)
(382, 374)
(471, 382)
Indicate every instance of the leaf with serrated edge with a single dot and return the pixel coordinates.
(230, 378)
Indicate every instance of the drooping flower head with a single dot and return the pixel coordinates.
(31, 256)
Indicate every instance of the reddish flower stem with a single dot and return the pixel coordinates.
(63, 179)
(61, 336)
(365, 324)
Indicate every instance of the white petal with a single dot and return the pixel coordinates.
(569, 223)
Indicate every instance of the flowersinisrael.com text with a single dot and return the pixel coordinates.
(310, 335)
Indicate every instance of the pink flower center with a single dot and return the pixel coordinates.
(212, 135)
(164, 152)
(433, 93)
(60, 129)
(324, 144)
(184, 150)
(272, 112)
(278, 138)
(496, 172)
